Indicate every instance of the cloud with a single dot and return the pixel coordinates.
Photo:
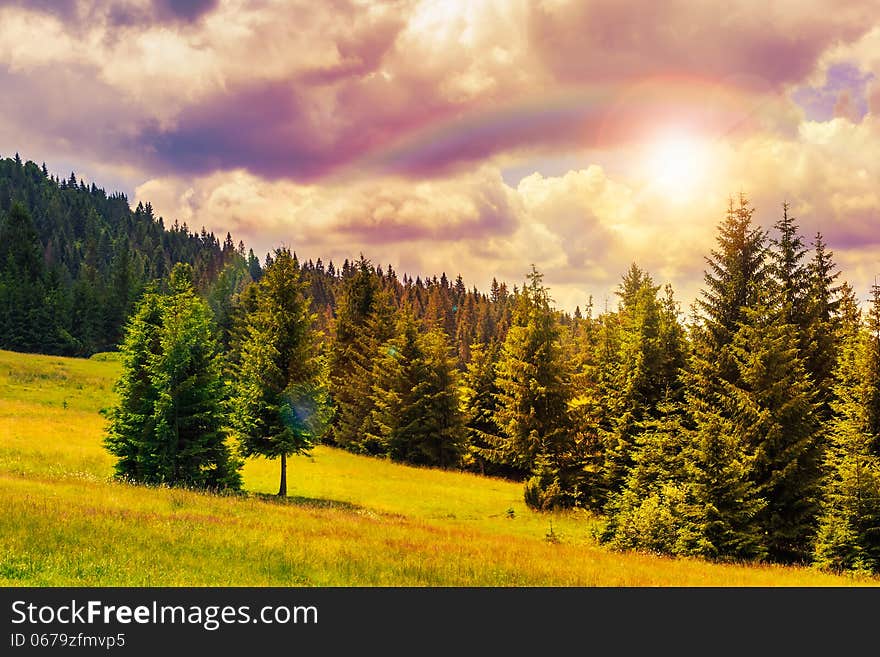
(355, 126)
(581, 228)
(299, 91)
(842, 94)
(739, 43)
(81, 14)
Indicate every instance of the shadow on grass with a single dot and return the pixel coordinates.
(310, 502)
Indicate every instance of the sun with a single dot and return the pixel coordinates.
(675, 164)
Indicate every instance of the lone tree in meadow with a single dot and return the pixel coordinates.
(168, 426)
(279, 407)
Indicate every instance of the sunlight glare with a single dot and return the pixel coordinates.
(676, 164)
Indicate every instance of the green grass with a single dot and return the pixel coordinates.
(349, 520)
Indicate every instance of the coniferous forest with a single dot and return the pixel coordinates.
(746, 427)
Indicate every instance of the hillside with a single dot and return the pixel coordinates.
(349, 521)
(74, 259)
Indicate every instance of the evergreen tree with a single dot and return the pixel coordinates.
(534, 394)
(480, 404)
(20, 249)
(737, 272)
(820, 336)
(791, 274)
(27, 321)
(364, 322)
(279, 405)
(254, 268)
(849, 527)
(224, 297)
(774, 413)
(722, 502)
(416, 409)
(168, 427)
(132, 423)
(645, 371)
(651, 512)
(748, 381)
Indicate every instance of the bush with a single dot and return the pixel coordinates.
(543, 493)
(106, 356)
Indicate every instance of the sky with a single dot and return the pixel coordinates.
(467, 137)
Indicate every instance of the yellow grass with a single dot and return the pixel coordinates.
(349, 520)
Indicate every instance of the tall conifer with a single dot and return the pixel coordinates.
(280, 406)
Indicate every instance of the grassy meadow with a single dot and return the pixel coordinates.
(349, 520)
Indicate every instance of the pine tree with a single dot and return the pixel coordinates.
(224, 297)
(416, 409)
(737, 272)
(254, 268)
(480, 404)
(534, 394)
(132, 422)
(719, 382)
(871, 371)
(820, 336)
(20, 249)
(721, 501)
(280, 407)
(849, 528)
(168, 427)
(790, 274)
(644, 371)
(364, 321)
(651, 512)
(27, 322)
(774, 413)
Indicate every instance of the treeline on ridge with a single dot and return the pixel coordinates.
(74, 260)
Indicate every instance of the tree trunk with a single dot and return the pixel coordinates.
(282, 490)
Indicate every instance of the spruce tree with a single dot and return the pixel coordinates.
(190, 427)
(416, 413)
(791, 275)
(280, 406)
(737, 272)
(27, 323)
(849, 528)
(774, 413)
(168, 427)
(533, 401)
(645, 370)
(849, 525)
(480, 403)
(224, 297)
(650, 513)
(132, 422)
(364, 321)
(722, 501)
(823, 312)
(725, 499)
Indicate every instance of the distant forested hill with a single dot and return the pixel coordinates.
(74, 259)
